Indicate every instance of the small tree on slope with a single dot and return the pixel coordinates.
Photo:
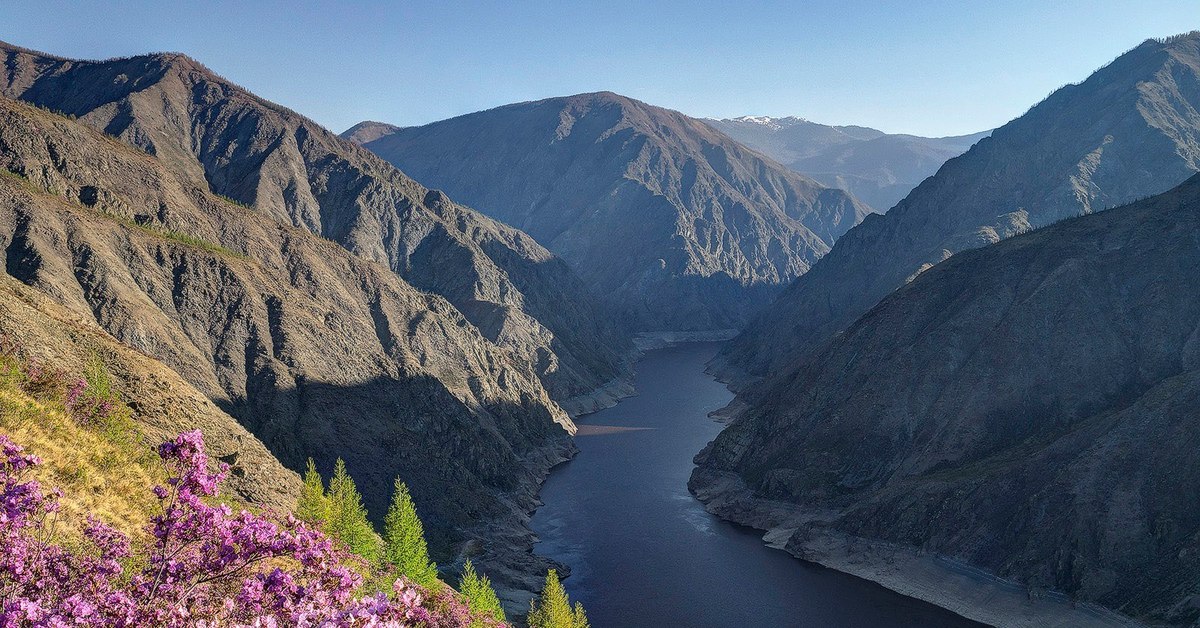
(404, 540)
(481, 597)
(553, 610)
(312, 508)
(347, 516)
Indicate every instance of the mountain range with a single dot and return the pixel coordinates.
(1130, 130)
(1027, 407)
(997, 373)
(680, 227)
(878, 168)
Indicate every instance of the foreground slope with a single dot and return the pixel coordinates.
(216, 136)
(878, 168)
(1028, 408)
(316, 351)
(683, 228)
(52, 338)
(1128, 131)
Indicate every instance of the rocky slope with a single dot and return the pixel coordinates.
(1028, 408)
(878, 168)
(214, 135)
(1128, 131)
(163, 404)
(681, 227)
(316, 351)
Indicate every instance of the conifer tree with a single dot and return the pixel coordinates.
(312, 508)
(481, 597)
(347, 519)
(404, 540)
(553, 610)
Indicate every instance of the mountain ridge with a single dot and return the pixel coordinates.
(1000, 422)
(1128, 131)
(683, 228)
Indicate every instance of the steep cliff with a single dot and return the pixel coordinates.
(1028, 408)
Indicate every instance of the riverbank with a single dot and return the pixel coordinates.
(950, 584)
(643, 551)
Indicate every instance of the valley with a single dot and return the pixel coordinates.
(587, 360)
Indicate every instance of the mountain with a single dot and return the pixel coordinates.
(1130, 130)
(1028, 408)
(369, 131)
(217, 136)
(681, 227)
(878, 168)
(330, 304)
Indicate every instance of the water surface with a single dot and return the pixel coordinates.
(644, 552)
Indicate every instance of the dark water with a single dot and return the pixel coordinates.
(645, 553)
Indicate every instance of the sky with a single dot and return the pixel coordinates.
(927, 67)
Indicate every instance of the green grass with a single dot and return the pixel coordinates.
(234, 202)
(177, 236)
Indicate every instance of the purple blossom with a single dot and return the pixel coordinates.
(207, 566)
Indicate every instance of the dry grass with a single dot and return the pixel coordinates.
(99, 475)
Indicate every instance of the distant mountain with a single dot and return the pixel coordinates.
(680, 226)
(878, 168)
(1029, 408)
(1128, 131)
(369, 131)
(332, 305)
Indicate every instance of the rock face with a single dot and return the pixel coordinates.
(878, 168)
(1128, 131)
(317, 351)
(680, 226)
(213, 135)
(1028, 408)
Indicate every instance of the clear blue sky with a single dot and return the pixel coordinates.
(925, 67)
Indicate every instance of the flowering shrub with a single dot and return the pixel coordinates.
(203, 565)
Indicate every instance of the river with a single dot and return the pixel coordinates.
(644, 552)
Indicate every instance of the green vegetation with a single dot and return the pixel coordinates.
(405, 550)
(312, 507)
(346, 518)
(481, 597)
(234, 202)
(184, 238)
(554, 610)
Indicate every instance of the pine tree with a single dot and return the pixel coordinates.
(404, 540)
(347, 519)
(553, 610)
(313, 507)
(481, 597)
(579, 618)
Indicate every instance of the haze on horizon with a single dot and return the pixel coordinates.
(943, 68)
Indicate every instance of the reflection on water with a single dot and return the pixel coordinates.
(643, 551)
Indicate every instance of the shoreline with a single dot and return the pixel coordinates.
(942, 581)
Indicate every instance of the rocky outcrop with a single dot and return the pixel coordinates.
(1128, 131)
(678, 225)
(314, 350)
(216, 136)
(878, 168)
(1027, 408)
